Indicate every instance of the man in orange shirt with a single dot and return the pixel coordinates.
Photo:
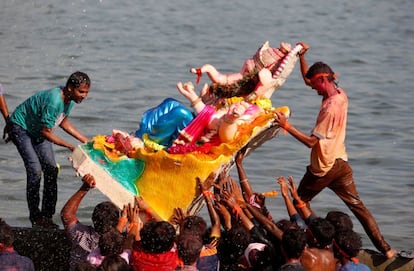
(328, 162)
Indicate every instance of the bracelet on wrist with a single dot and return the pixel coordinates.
(123, 220)
(208, 193)
(196, 101)
(132, 224)
(244, 180)
(286, 126)
(300, 205)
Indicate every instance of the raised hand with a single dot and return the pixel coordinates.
(284, 188)
(89, 181)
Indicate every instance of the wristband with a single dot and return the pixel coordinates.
(244, 180)
(195, 102)
(300, 205)
(208, 193)
(286, 126)
(123, 220)
(131, 225)
(237, 210)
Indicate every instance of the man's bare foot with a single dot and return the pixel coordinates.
(391, 253)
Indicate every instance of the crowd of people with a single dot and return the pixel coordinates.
(241, 234)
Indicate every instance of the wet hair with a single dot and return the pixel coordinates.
(320, 67)
(293, 243)
(323, 231)
(6, 234)
(189, 246)
(349, 242)
(232, 244)
(114, 263)
(157, 236)
(77, 79)
(285, 224)
(85, 266)
(111, 242)
(105, 216)
(261, 259)
(340, 220)
(195, 224)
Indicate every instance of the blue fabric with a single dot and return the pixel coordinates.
(351, 266)
(296, 218)
(38, 157)
(208, 263)
(43, 109)
(11, 260)
(163, 122)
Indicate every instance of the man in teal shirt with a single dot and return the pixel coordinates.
(32, 131)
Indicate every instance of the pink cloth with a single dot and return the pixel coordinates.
(330, 128)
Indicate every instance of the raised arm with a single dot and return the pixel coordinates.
(265, 222)
(208, 197)
(237, 211)
(68, 212)
(3, 105)
(303, 63)
(284, 190)
(5, 112)
(187, 90)
(134, 227)
(301, 206)
(243, 180)
(150, 212)
(215, 76)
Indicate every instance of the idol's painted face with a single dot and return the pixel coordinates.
(80, 93)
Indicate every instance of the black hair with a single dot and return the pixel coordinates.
(195, 224)
(157, 236)
(293, 243)
(320, 67)
(111, 242)
(114, 263)
(285, 224)
(261, 259)
(323, 231)
(232, 244)
(189, 246)
(349, 242)
(85, 266)
(6, 234)
(105, 216)
(78, 78)
(340, 220)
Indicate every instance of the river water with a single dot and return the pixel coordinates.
(136, 51)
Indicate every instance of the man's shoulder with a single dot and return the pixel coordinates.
(16, 260)
(78, 230)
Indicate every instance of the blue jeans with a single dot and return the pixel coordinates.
(38, 158)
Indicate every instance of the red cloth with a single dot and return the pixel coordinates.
(144, 261)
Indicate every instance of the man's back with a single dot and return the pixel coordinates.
(315, 259)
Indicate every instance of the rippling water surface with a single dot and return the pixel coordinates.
(136, 52)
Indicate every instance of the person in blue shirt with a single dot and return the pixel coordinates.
(5, 112)
(10, 259)
(32, 131)
(346, 246)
